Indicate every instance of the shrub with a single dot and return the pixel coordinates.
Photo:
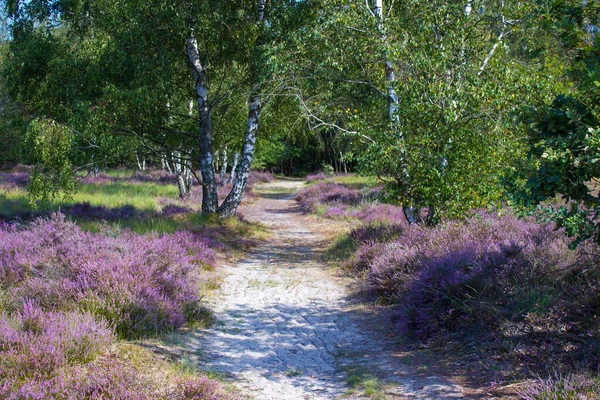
(473, 273)
(141, 285)
(98, 179)
(319, 176)
(157, 176)
(336, 212)
(173, 209)
(87, 211)
(35, 346)
(201, 389)
(259, 176)
(329, 193)
(380, 214)
(13, 180)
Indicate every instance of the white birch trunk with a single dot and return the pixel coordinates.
(233, 173)
(222, 179)
(237, 191)
(209, 187)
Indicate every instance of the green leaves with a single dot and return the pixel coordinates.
(50, 147)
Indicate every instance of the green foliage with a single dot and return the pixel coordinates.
(564, 136)
(50, 145)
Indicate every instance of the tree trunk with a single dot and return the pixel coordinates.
(390, 77)
(234, 197)
(209, 187)
(233, 173)
(180, 171)
(410, 214)
(183, 171)
(223, 166)
(227, 209)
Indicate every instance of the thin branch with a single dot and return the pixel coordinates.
(369, 8)
(320, 122)
(390, 9)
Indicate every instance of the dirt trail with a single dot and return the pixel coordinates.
(284, 327)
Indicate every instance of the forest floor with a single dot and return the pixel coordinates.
(289, 327)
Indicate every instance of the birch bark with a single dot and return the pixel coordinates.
(209, 186)
(237, 192)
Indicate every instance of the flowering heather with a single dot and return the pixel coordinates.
(201, 389)
(173, 209)
(329, 193)
(36, 345)
(157, 176)
(462, 273)
(13, 180)
(319, 176)
(335, 212)
(259, 177)
(376, 213)
(141, 285)
(98, 179)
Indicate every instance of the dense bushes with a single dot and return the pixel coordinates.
(67, 295)
(483, 272)
(576, 387)
(141, 284)
(508, 289)
(504, 280)
(334, 197)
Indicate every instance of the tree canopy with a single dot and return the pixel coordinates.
(443, 101)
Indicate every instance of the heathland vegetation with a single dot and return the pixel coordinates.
(502, 295)
(476, 124)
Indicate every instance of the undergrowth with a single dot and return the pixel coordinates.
(124, 259)
(508, 290)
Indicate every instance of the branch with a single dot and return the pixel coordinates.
(320, 122)
(369, 8)
(490, 54)
(487, 59)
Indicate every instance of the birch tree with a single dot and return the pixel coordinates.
(129, 65)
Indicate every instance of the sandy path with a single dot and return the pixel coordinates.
(284, 326)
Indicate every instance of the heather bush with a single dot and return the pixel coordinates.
(259, 177)
(13, 180)
(98, 178)
(465, 274)
(87, 211)
(173, 209)
(319, 176)
(335, 212)
(156, 176)
(36, 346)
(375, 233)
(329, 193)
(141, 285)
(201, 389)
(375, 213)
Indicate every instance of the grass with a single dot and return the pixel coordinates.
(142, 196)
(114, 194)
(358, 378)
(356, 181)
(341, 248)
(164, 370)
(292, 372)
